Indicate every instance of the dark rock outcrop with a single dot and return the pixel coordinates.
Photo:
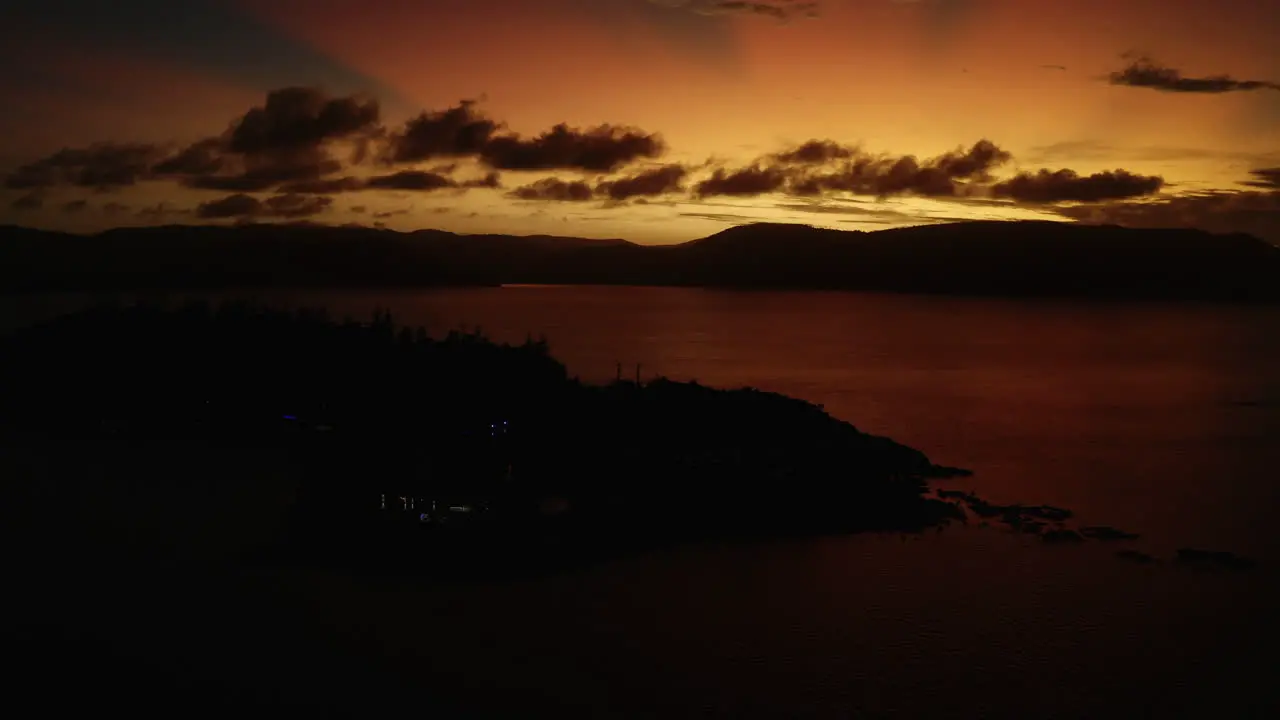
(1213, 559)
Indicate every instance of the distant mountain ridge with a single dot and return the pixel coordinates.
(992, 258)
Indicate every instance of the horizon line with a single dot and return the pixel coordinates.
(356, 226)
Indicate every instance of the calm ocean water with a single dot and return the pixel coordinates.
(1162, 420)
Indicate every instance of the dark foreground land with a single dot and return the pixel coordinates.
(171, 474)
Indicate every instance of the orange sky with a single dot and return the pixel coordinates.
(903, 78)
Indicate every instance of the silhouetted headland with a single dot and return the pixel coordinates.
(1213, 559)
(374, 443)
(983, 258)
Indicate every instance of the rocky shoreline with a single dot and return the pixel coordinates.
(1053, 525)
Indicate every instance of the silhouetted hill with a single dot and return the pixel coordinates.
(348, 412)
(992, 258)
(1020, 259)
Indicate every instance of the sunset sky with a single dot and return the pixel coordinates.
(652, 120)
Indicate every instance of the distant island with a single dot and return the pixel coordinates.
(983, 258)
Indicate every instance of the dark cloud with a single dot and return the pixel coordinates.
(950, 175)
(554, 189)
(266, 173)
(300, 118)
(820, 168)
(456, 132)
(653, 182)
(1267, 178)
(852, 170)
(245, 206)
(1143, 72)
(29, 201)
(603, 148)
(648, 183)
(199, 158)
(359, 209)
(100, 166)
(207, 164)
(114, 208)
(1048, 186)
(285, 140)
(754, 180)
(882, 177)
(885, 176)
(1251, 211)
(815, 152)
(419, 180)
(74, 206)
(287, 144)
(1054, 67)
(291, 205)
(976, 163)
